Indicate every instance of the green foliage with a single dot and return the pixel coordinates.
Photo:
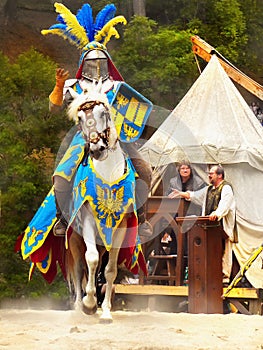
(228, 27)
(156, 61)
(252, 56)
(28, 143)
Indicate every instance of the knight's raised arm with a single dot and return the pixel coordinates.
(56, 96)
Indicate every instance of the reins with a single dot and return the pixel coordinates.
(94, 136)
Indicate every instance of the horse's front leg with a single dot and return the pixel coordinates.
(92, 259)
(75, 258)
(111, 274)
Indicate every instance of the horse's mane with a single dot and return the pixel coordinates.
(93, 95)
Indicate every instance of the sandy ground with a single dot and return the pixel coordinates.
(38, 329)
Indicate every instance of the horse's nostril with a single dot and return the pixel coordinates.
(102, 148)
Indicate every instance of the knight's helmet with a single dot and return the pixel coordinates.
(95, 65)
(91, 37)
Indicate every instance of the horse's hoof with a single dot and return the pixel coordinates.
(106, 317)
(89, 311)
(89, 307)
(105, 320)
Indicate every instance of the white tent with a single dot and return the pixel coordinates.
(214, 125)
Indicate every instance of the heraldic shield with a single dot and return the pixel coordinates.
(130, 111)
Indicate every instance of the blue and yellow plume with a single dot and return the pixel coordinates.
(80, 29)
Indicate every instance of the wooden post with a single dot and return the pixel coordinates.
(204, 264)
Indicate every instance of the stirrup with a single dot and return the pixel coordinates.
(60, 228)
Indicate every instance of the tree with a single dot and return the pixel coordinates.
(251, 57)
(227, 23)
(158, 62)
(139, 7)
(28, 143)
(232, 27)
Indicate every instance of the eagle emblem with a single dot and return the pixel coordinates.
(132, 108)
(110, 204)
(129, 132)
(121, 101)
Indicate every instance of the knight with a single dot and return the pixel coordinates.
(95, 64)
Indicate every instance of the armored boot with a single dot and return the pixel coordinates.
(145, 228)
(62, 214)
(60, 227)
(141, 193)
(142, 187)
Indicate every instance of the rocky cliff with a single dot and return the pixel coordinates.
(21, 22)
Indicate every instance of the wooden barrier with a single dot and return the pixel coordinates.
(248, 301)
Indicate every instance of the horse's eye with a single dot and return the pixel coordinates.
(79, 119)
(90, 122)
(93, 135)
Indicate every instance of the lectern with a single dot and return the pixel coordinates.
(204, 264)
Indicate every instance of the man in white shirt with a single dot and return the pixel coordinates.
(218, 203)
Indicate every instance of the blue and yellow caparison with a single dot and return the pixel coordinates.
(109, 201)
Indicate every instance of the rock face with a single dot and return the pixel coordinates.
(21, 22)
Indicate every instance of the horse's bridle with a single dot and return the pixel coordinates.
(94, 135)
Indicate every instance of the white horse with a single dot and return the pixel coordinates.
(108, 162)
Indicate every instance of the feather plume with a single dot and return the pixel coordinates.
(72, 23)
(60, 19)
(104, 16)
(80, 30)
(108, 30)
(85, 19)
(61, 30)
(111, 32)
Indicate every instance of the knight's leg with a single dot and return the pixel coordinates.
(143, 185)
(63, 191)
(145, 228)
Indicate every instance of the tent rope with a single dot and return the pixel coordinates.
(197, 63)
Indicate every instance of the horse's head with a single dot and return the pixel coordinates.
(92, 111)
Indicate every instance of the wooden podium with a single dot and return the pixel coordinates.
(204, 264)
